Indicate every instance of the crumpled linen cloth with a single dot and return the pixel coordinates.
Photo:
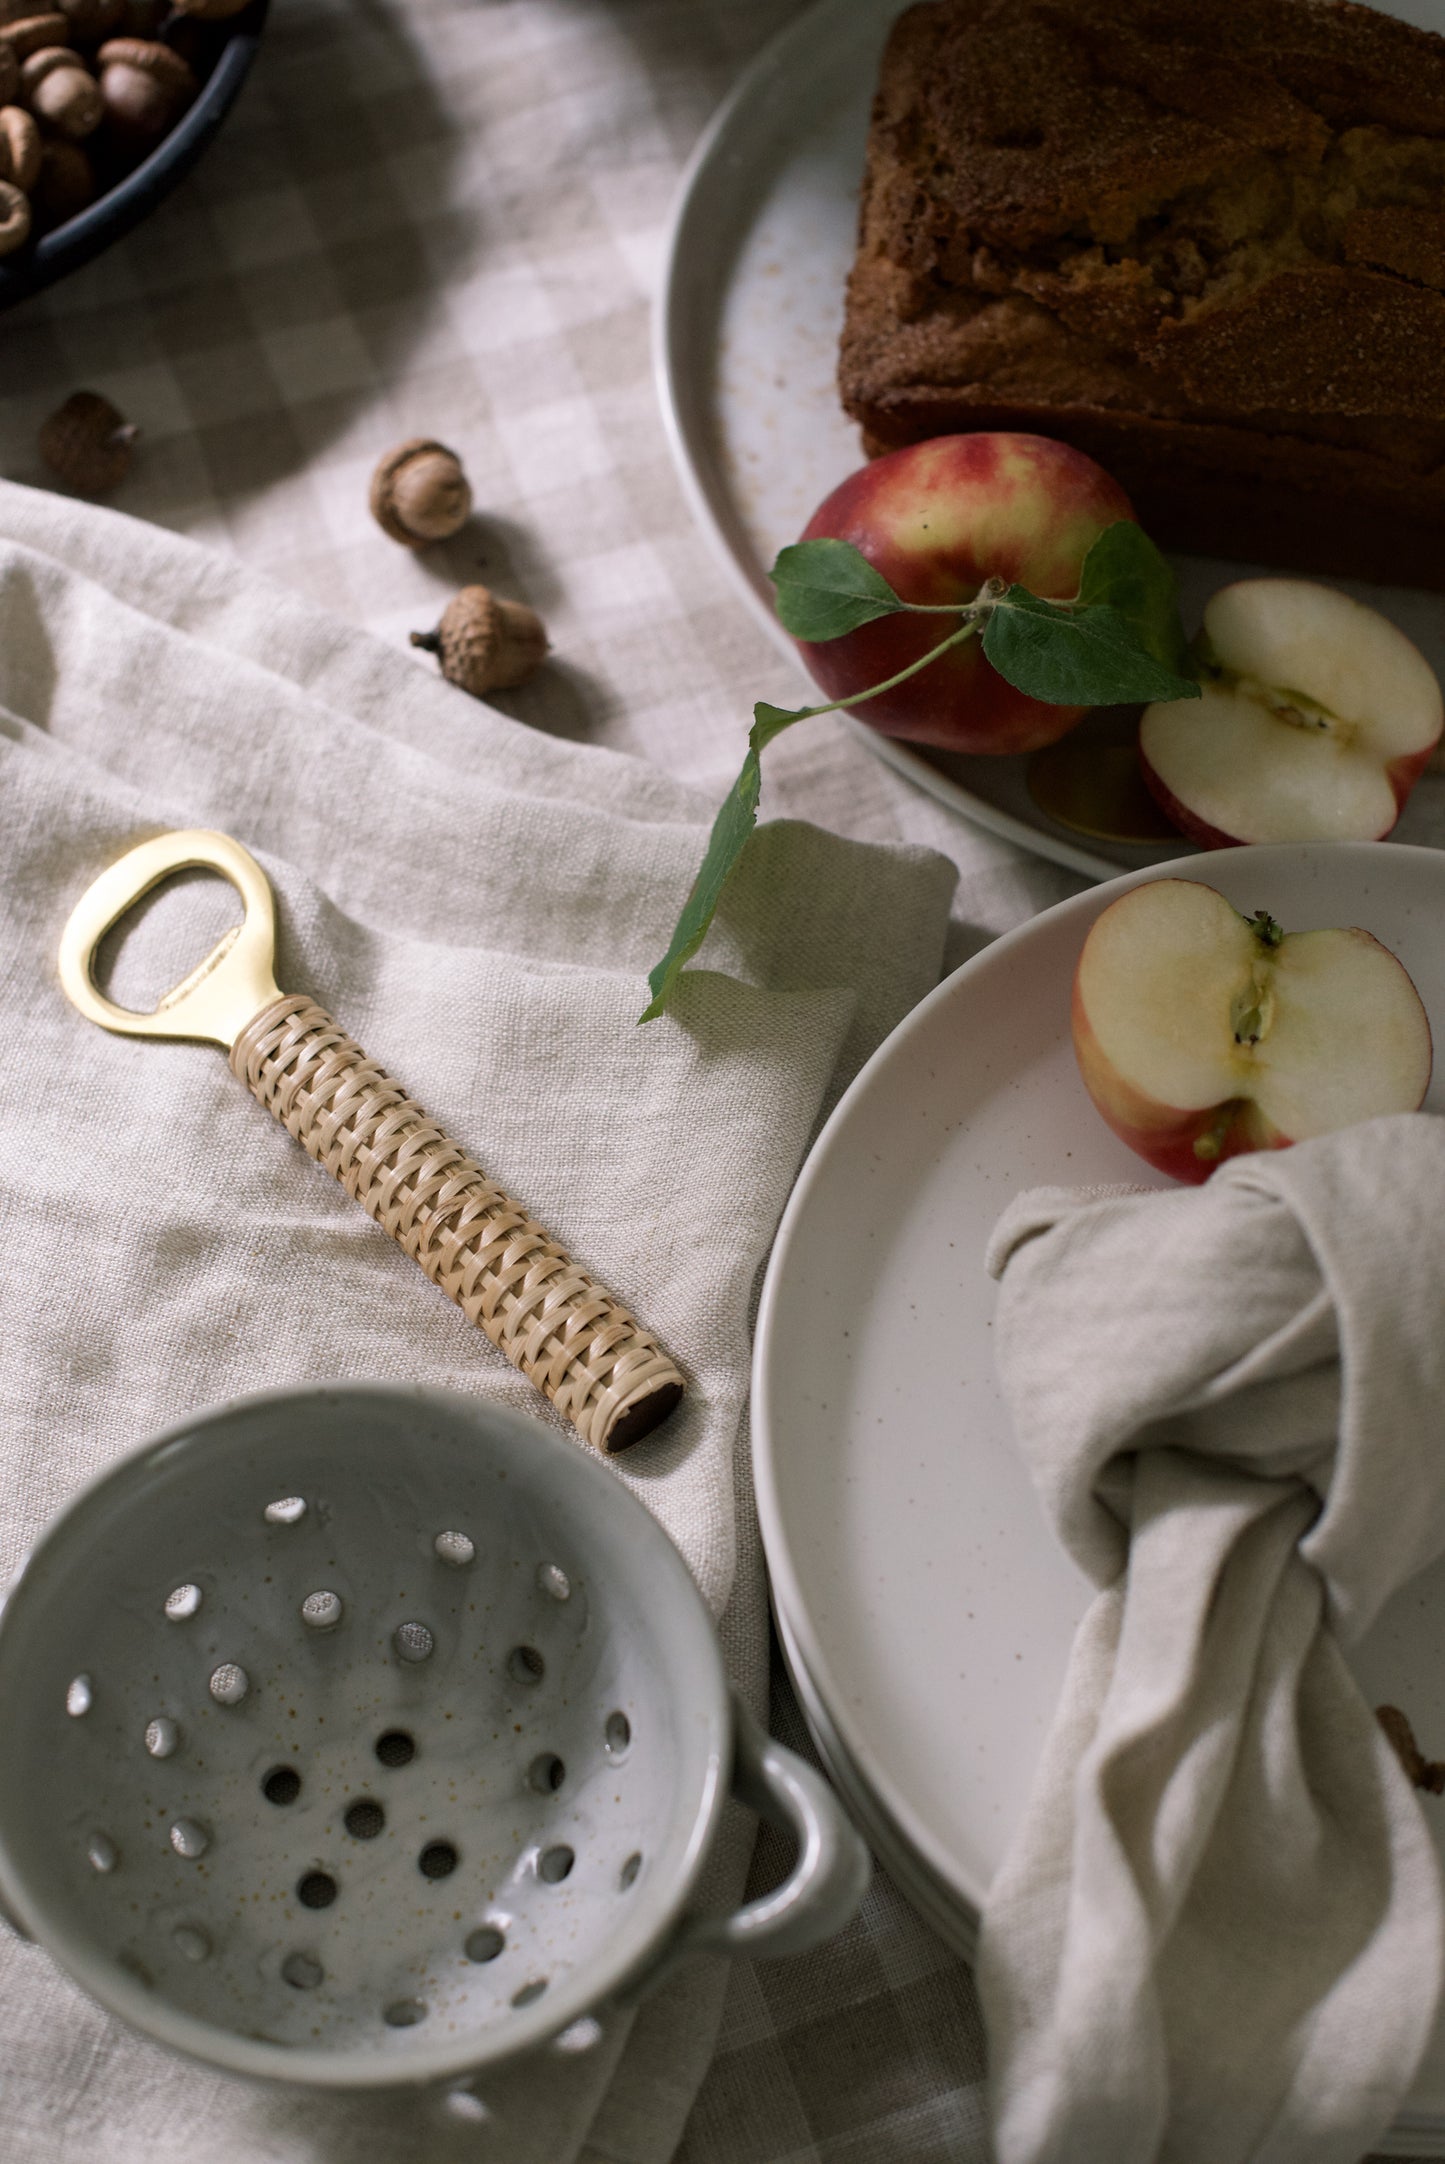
(1218, 1931)
(478, 904)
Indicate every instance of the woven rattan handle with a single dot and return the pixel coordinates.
(566, 1334)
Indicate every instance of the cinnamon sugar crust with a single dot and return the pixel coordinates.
(1202, 239)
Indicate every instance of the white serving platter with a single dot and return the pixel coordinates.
(746, 337)
(926, 1610)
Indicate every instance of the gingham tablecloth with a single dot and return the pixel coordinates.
(446, 218)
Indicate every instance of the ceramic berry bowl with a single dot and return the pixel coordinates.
(219, 55)
(369, 1736)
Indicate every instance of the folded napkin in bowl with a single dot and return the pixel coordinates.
(1218, 1932)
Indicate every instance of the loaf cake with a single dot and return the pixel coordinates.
(1203, 240)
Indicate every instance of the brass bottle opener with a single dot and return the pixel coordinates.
(568, 1335)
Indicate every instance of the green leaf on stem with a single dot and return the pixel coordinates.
(1124, 571)
(828, 588)
(1072, 656)
(734, 823)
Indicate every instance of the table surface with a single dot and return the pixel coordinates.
(446, 218)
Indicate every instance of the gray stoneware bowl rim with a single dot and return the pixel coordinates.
(663, 1578)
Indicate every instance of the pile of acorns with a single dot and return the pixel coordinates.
(87, 89)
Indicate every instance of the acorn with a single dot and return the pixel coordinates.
(92, 20)
(14, 217)
(60, 91)
(88, 443)
(9, 75)
(146, 87)
(485, 644)
(19, 147)
(64, 185)
(32, 33)
(419, 493)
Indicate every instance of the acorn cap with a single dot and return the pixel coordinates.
(33, 32)
(152, 58)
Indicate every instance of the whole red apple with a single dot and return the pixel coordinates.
(937, 519)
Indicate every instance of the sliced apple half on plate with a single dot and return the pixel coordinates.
(1317, 718)
(1201, 1033)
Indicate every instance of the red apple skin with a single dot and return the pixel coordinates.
(937, 519)
(1165, 1135)
(1402, 775)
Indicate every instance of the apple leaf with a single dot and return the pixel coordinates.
(734, 823)
(828, 588)
(1124, 571)
(1073, 656)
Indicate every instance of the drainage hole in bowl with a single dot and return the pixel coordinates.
(321, 1611)
(553, 1581)
(316, 1890)
(281, 1785)
(484, 1944)
(302, 1971)
(364, 1820)
(554, 1864)
(529, 1993)
(191, 1942)
(627, 1876)
(546, 1774)
(396, 1748)
(287, 1510)
(456, 1549)
(79, 1696)
(189, 1838)
(437, 1860)
(619, 1735)
(413, 1642)
(525, 1665)
(102, 1854)
(162, 1737)
(183, 1603)
(404, 2013)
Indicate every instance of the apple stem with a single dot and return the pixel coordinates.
(991, 591)
(955, 638)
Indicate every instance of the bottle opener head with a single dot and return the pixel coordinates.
(222, 993)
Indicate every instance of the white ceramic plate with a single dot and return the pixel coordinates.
(925, 1603)
(746, 349)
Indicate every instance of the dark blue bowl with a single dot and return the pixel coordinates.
(132, 198)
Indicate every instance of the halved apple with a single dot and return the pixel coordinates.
(1201, 1033)
(1318, 717)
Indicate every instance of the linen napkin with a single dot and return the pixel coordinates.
(478, 904)
(1218, 1932)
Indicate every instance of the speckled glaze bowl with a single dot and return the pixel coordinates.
(361, 1736)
